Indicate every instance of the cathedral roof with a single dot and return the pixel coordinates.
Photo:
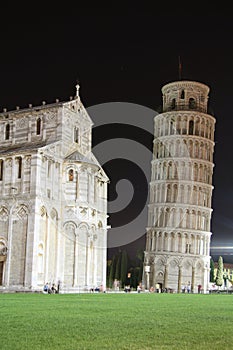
(88, 159)
(22, 147)
(78, 157)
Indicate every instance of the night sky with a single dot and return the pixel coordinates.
(124, 54)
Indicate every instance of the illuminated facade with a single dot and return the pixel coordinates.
(53, 200)
(177, 251)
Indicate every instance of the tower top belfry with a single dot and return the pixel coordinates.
(185, 95)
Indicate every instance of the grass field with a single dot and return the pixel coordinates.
(116, 321)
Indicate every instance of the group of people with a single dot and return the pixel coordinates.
(51, 289)
(186, 288)
(127, 289)
(97, 289)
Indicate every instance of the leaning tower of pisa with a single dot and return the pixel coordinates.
(177, 251)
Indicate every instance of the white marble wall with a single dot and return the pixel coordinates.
(53, 200)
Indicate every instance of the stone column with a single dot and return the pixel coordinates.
(179, 279)
(47, 245)
(75, 277)
(153, 241)
(153, 280)
(195, 245)
(8, 260)
(148, 281)
(193, 280)
(29, 130)
(147, 241)
(206, 279)
(182, 243)
(94, 260)
(58, 253)
(13, 131)
(77, 186)
(23, 159)
(12, 166)
(27, 279)
(147, 271)
(162, 241)
(166, 277)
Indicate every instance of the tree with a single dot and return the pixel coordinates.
(219, 274)
(109, 263)
(112, 271)
(211, 270)
(140, 257)
(135, 277)
(118, 267)
(124, 267)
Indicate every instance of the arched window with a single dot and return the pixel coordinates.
(175, 193)
(168, 195)
(188, 248)
(191, 127)
(38, 126)
(182, 95)
(19, 167)
(192, 103)
(7, 132)
(76, 135)
(1, 169)
(172, 128)
(71, 175)
(173, 105)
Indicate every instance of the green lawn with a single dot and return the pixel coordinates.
(116, 321)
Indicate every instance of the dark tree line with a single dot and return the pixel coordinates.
(127, 271)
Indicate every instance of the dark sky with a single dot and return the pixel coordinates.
(124, 53)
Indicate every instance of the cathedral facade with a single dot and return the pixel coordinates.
(53, 200)
(177, 254)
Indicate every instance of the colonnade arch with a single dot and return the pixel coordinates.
(178, 242)
(185, 193)
(175, 217)
(166, 125)
(188, 147)
(182, 170)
